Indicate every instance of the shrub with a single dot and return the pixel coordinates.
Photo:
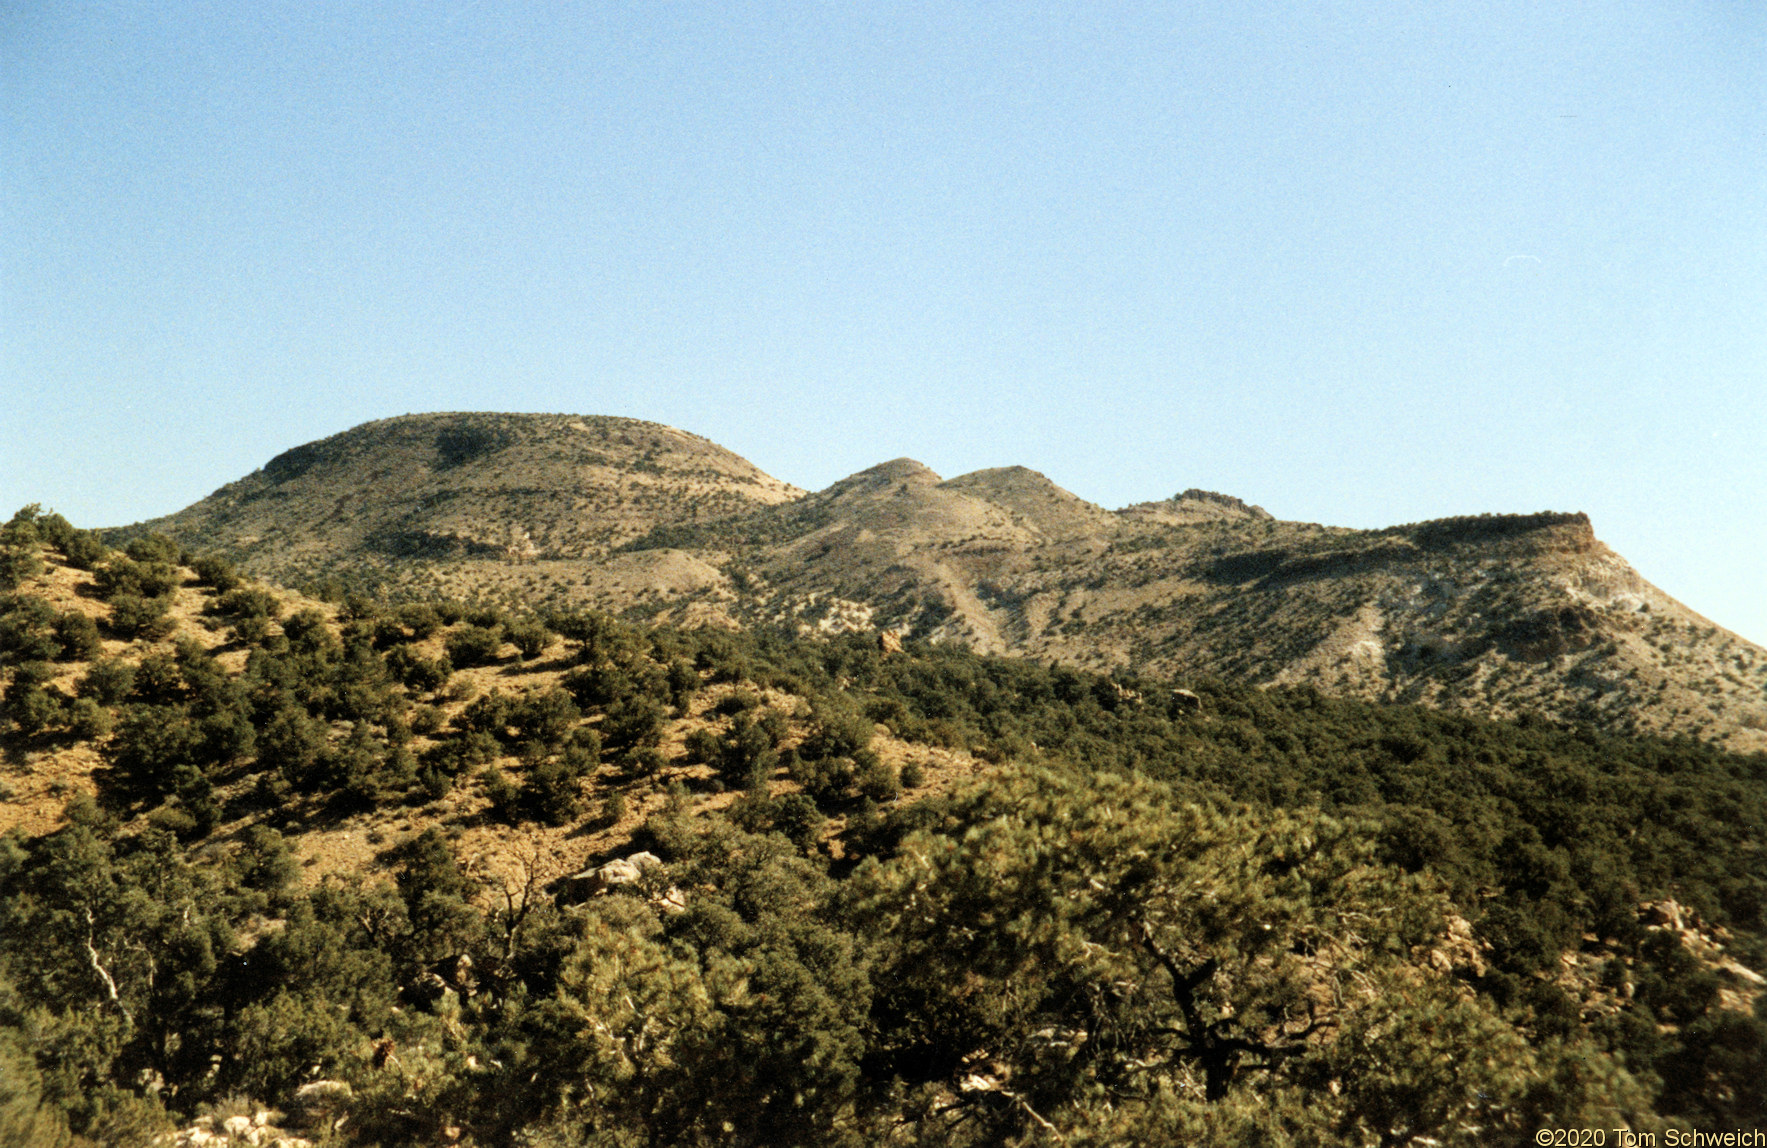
(529, 638)
(78, 635)
(138, 618)
(737, 701)
(416, 672)
(154, 548)
(486, 617)
(544, 715)
(643, 761)
(32, 708)
(84, 551)
(683, 682)
(825, 778)
(877, 781)
(27, 630)
(634, 721)
(158, 680)
(17, 564)
(246, 602)
(123, 575)
(837, 732)
(473, 646)
(249, 631)
(214, 570)
(422, 620)
(488, 713)
(505, 798)
(265, 862)
(426, 720)
(553, 792)
(88, 720)
(308, 633)
(291, 744)
(797, 817)
(108, 681)
(702, 747)
(747, 757)
(913, 775)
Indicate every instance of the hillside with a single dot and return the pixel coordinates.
(1494, 615)
(431, 873)
(458, 487)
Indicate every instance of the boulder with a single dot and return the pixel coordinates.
(318, 1102)
(620, 871)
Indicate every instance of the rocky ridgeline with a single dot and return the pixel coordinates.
(1488, 614)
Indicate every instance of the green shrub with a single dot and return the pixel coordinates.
(702, 747)
(88, 721)
(643, 761)
(17, 565)
(826, 779)
(552, 792)
(265, 861)
(797, 817)
(84, 551)
(747, 756)
(155, 548)
(836, 731)
(27, 629)
(32, 708)
(421, 619)
(245, 602)
(78, 635)
(529, 638)
(426, 720)
(416, 672)
(505, 797)
(133, 617)
(473, 646)
(21, 528)
(108, 681)
(877, 781)
(544, 715)
(214, 570)
(251, 631)
(633, 721)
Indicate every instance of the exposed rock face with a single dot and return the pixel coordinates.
(1494, 614)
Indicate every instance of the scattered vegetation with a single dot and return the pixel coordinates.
(1226, 915)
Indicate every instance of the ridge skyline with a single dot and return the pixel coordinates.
(1494, 614)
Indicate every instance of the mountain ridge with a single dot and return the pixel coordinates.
(1493, 614)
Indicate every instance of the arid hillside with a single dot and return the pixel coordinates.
(277, 869)
(454, 487)
(1496, 615)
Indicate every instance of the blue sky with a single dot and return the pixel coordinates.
(1359, 263)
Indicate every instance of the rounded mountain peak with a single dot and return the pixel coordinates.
(886, 475)
(1038, 501)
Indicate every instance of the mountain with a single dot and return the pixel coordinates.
(275, 870)
(1493, 614)
(470, 486)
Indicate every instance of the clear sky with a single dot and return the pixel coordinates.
(1358, 263)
